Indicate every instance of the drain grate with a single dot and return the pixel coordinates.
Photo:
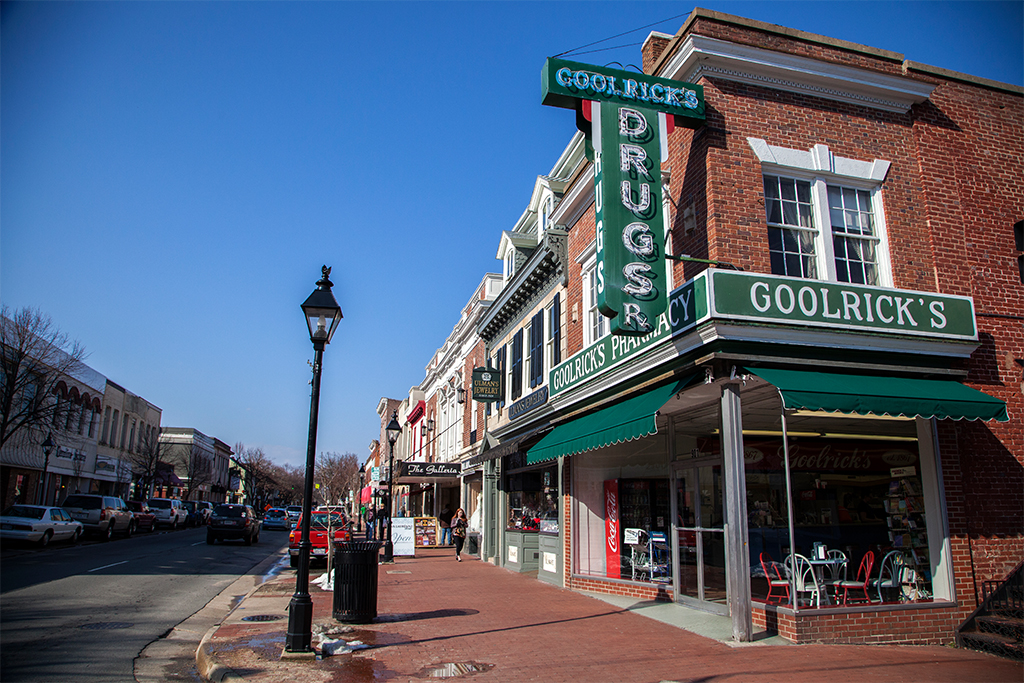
(107, 625)
(262, 617)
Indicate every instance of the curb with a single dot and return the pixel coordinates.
(206, 663)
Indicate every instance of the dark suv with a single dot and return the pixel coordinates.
(233, 522)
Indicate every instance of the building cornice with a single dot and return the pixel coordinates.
(702, 57)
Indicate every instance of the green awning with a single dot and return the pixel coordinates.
(861, 394)
(632, 419)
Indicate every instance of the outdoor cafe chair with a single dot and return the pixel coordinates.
(807, 583)
(776, 580)
(861, 582)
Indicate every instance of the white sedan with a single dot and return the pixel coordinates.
(38, 524)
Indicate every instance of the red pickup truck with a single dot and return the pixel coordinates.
(321, 523)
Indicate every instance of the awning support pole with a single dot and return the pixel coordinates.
(737, 550)
(789, 506)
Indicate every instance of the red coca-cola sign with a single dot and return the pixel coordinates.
(611, 527)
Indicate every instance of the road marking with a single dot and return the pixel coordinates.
(200, 543)
(107, 566)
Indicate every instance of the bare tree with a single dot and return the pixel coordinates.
(334, 474)
(35, 356)
(144, 460)
(196, 465)
(291, 482)
(260, 480)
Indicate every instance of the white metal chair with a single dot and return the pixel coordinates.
(807, 583)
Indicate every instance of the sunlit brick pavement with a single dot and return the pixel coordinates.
(440, 616)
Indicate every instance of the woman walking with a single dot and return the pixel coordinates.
(459, 524)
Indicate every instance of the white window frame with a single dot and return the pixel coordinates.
(595, 325)
(819, 167)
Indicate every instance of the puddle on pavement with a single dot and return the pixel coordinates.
(453, 670)
(277, 568)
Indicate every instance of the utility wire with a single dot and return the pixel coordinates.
(626, 33)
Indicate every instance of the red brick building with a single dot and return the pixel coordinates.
(841, 364)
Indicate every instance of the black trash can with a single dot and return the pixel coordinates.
(355, 581)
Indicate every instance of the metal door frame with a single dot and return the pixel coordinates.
(694, 467)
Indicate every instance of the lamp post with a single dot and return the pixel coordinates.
(48, 447)
(393, 429)
(322, 317)
(359, 504)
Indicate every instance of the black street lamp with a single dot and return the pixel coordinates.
(359, 504)
(322, 317)
(393, 429)
(48, 447)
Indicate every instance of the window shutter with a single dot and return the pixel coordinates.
(537, 350)
(556, 330)
(517, 366)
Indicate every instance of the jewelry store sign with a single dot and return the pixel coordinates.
(486, 385)
(775, 300)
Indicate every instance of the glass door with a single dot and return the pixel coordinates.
(699, 532)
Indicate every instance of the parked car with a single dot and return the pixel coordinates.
(145, 520)
(276, 518)
(319, 524)
(198, 515)
(103, 515)
(205, 509)
(233, 521)
(169, 511)
(294, 512)
(38, 524)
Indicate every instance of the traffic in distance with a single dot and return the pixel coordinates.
(102, 517)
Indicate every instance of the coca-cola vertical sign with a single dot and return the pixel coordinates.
(611, 528)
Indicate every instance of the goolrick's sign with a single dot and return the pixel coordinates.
(774, 300)
(627, 118)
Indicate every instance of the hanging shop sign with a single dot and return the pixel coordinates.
(530, 403)
(775, 300)
(627, 118)
(486, 385)
(429, 469)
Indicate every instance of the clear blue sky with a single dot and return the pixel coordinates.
(174, 174)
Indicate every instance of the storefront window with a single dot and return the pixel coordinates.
(855, 504)
(533, 501)
(623, 512)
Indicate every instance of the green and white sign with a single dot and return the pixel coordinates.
(628, 127)
(838, 305)
(719, 295)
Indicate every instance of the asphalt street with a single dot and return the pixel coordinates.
(84, 612)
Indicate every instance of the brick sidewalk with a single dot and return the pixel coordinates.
(435, 611)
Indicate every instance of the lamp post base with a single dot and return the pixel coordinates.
(389, 552)
(300, 625)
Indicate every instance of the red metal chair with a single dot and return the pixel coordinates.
(774, 577)
(862, 580)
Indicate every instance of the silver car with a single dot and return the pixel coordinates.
(38, 524)
(103, 515)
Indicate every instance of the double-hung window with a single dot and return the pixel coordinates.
(824, 215)
(537, 350)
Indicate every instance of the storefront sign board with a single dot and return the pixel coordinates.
(529, 403)
(486, 385)
(776, 300)
(430, 469)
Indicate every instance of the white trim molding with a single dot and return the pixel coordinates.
(701, 56)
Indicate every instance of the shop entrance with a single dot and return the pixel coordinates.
(699, 578)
